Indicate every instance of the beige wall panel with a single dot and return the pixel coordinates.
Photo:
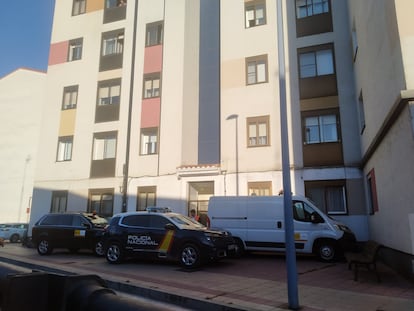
(233, 73)
(94, 5)
(67, 122)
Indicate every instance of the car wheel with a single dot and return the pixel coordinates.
(114, 253)
(14, 238)
(190, 256)
(326, 250)
(98, 250)
(240, 251)
(44, 247)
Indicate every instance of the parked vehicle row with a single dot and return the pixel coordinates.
(14, 232)
(239, 224)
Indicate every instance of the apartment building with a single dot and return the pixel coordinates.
(383, 45)
(170, 102)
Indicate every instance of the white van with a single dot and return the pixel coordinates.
(257, 224)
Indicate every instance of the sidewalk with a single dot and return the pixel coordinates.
(256, 283)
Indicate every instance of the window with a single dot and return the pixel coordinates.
(75, 49)
(329, 196)
(151, 85)
(137, 221)
(354, 44)
(104, 146)
(256, 69)
(115, 3)
(305, 8)
(260, 188)
(361, 110)
(302, 211)
(112, 47)
(258, 131)
(146, 197)
(316, 63)
(321, 129)
(109, 93)
(78, 7)
(372, 193)
(154, 34)
(149, 144)
(59, 201)
(113, 44)
(101, 201)
(70, 97)
(255, 13)
(64, 152)
(158, 222)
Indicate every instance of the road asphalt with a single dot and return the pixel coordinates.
(254, 282)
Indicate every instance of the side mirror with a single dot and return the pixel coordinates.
(169, 226)
(316, 218)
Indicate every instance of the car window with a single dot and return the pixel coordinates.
(66, 220)
(114, 221)
(158, 221)
(62, 220)
(302, 211)
(49, 220)
(136, 220)
(79, 221)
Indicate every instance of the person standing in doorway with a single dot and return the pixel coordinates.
(194, 215)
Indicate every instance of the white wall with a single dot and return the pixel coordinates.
(22, 94)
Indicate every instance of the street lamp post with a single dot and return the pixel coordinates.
(287, 195)
(236, 117)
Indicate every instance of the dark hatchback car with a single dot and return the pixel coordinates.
(160, 234)
(73, 231)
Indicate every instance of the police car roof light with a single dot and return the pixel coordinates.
(155, 209)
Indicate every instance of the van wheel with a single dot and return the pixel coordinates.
(114, 253)
(190, 256)
(44, 247)
(326, 250)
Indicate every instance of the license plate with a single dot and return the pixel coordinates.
(231, 247)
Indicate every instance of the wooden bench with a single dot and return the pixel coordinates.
(367, 258)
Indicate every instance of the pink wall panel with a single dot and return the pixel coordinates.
(58, 53)
(153, 59)
(150, 112)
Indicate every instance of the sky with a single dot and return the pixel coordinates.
(25, 29)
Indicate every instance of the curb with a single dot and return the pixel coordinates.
(145, 292)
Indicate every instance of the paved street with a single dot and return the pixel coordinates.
(255, 282)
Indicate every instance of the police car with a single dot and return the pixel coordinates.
(162, 234)
(70, 230)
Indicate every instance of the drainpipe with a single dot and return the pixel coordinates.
(131, 97)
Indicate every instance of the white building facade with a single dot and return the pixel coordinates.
(166, 102)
